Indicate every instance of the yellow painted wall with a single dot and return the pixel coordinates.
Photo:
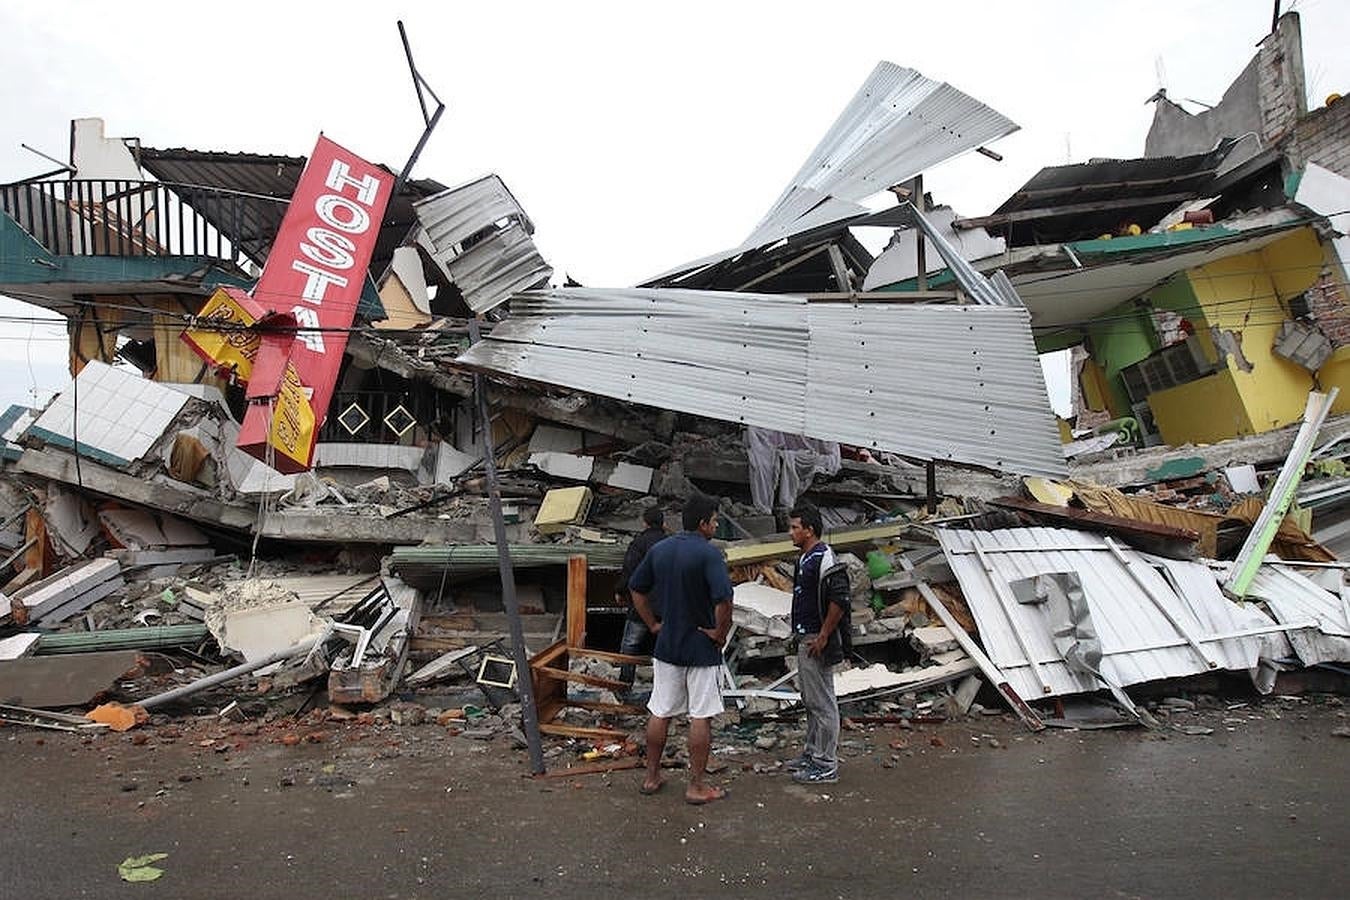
(1201, 412)
(1246, 294)
(93, 336)
(399, 309)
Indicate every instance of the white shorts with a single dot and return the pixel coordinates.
(677, 690)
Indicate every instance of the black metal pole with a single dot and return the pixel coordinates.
(419, 85)
(931, 473)
(524, 685)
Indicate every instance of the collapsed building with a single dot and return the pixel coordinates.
(902, 393)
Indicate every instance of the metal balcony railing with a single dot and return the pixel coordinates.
(94, 217)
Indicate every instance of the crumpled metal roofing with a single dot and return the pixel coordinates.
(899, 124)
(1294, 599)
(490, 270)
(1138, 642)
(955, 383)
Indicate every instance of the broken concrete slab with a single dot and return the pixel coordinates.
(452, 462)
(19, 645)
(551, 438)
(563, 465)
(877, 677)
(119, 418)
(932, 640)
(175, 497)
(67, 592)
(140, 529)
(256, 618)
(73, 680)
(71, 522)
(624, 475)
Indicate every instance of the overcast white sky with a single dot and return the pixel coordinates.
(637, 136)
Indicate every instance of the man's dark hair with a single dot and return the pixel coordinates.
(810, 517)
(654, 516)
(697, 509)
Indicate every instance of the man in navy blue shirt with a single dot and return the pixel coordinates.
(820, 600)
(687, 578)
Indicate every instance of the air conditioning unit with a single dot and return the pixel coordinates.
(1302, 343)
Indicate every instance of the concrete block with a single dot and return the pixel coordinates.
(563, 465)
(42, 598)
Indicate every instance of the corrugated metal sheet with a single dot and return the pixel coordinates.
(489, 271)
(452, 216)
(1294, 599)
(897, 125)
(496, 267)
(957, 383)
(1139, 643)
(735, 357)
(980, 289)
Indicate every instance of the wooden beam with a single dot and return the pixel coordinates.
(580, 678)
(599, 768)
(618, 709)
(616, 658)
(795, 261)
(1050, 212)
(576, 600)
(842, 279)
(576, 731)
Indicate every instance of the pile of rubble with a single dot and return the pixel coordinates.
(125, 617)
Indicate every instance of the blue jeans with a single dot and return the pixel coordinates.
(637, 641)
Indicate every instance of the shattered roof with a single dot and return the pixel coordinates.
(899, 124)
(1117, 270)
(479, 237)
(1144, 610)
(268, 181)
(946, 382)
(1064, 203)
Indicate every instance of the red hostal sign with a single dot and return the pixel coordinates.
(314, 274)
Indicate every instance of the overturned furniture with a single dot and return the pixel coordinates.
(550, 670)
(378, 627)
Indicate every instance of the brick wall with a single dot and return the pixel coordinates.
(1323, 137)
(1328, 307)
(1279, 79)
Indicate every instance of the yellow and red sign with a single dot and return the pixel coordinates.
(302, 306)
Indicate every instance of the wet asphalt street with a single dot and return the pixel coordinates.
(974, 809)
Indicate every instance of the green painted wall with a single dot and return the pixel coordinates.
(1121, 338)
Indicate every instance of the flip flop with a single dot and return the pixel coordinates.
(647, 792)
(720, 794)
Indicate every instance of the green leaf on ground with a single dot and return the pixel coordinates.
(138, 868)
